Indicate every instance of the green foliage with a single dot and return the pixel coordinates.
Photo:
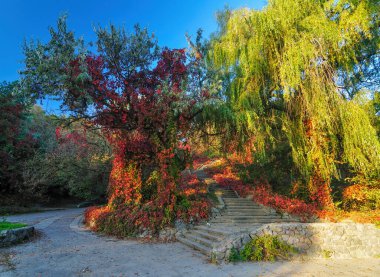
(16, 142)
(184, 203)
(327, 254)
(361, 198)
(375, 116)
(35, 164)
(360, 142)
(234, 256)
(212, 197)
(373, 199)
(264, 248)
(65, 166)
(291, 74)
(48, 77)
(116, 44)
(276, 168)
(5, 225)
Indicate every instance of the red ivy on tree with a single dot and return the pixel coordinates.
(146, 119)
(144, 101)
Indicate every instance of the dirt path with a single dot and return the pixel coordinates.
(65, 249)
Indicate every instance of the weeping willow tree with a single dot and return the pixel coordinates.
(294, 70)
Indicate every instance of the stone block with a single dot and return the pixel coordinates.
(14, 236)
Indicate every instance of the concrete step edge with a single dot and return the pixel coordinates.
(199, 239)
(213, 230)
(210, 236)
(201, 248)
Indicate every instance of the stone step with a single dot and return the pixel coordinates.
(208, 235)
(233, 199)
(239, 200)
(248, 221)
(238, 223)
(241, 203)
(243, 208)
(238, 227)
(194, 237)
(242, 217)
(234, 209)
(195, 245)
(247, 213)
(213, 230)
(247, 216)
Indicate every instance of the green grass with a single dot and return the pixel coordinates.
(5, 225)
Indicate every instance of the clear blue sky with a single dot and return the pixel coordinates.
(169, 20)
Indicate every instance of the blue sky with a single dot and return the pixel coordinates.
(169, 20)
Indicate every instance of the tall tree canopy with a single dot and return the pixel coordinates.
(297, 70)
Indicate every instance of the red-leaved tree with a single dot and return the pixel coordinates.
(144, 100)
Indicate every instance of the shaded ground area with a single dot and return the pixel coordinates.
(64, 249)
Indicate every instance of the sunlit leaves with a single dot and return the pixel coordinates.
(284, 62)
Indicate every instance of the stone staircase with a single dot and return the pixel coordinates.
(237, 216)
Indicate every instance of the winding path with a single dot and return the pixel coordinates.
(64, 248)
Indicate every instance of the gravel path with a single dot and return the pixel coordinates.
(65, 249)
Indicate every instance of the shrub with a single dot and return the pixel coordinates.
(263, 195)
(361, 197)
(234, 255)
(265, 248)
(73, 162)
